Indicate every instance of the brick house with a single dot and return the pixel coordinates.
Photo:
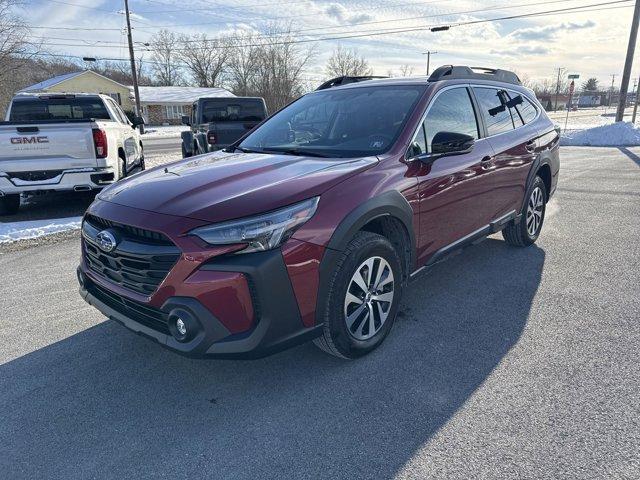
(166, 105)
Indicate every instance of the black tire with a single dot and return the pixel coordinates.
(518, 234)
(185, 154)
(10, 204)
(142, 164)
(337, 339)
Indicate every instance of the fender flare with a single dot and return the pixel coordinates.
(388, 204)
(536, 165)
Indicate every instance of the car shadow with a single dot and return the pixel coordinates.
(106, 403)
(50, 205)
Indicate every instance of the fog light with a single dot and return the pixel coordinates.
(181, 327)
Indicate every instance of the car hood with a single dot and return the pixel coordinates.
(221, 186)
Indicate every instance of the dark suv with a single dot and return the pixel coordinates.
(311, 225)
(218, 122)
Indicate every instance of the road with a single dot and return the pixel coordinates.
(504, 363)
(61, 205)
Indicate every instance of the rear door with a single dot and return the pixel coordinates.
(513, 141)
(230, 118)
(126, 135)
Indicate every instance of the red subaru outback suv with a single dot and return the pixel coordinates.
(310, 226)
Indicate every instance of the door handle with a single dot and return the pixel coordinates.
(487, 159)
(530, 146)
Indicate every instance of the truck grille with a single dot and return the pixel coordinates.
(140, 261)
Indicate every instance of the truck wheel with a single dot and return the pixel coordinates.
(185, 154)
(10, 204)
(364, 294)
(527, 230)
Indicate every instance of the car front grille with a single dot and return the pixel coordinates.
(140, 261)
(148, 316)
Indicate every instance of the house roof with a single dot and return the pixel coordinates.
(38, 87)
(179, 95)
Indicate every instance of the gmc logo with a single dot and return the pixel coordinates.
(23, 140)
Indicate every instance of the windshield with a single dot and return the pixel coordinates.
(350, 122)
(233, 110)
(72, 108)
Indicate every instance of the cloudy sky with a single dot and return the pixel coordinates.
(591, 43)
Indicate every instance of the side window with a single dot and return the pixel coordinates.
(116, 113)
(525, 109)
(493, 105)
(451, 112)
(419, 144)
(123, 115)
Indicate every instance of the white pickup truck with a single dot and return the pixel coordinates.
(67, 142)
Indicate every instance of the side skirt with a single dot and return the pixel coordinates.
(472, 239)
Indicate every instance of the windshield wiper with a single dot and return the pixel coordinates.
(247, 150)
(298, 152)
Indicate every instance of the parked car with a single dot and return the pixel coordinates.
(60, 142)
(311, 226)
(218, 122)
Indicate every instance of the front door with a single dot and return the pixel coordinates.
(453, 189)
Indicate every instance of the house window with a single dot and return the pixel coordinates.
(174, 112)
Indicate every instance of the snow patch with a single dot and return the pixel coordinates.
(614, 135)
(164, 131)
(14, 231)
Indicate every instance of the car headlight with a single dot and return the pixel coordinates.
(262, 232)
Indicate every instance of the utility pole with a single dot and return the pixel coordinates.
(635, 104)
(557, 89)
(626, 74)
(428, 54)
(613, 79)
(134, 73)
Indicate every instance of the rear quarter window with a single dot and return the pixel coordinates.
(34, 109)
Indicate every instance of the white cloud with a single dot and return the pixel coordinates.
(339, 12)
(549, 32)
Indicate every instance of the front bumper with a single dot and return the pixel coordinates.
(277, 322)
(81, 179)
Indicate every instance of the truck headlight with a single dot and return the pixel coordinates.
(262, 232)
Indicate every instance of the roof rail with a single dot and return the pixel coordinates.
(455, 72)
(344, 80)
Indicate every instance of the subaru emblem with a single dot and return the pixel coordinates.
(106, 240)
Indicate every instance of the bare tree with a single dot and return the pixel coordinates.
(270, 66)
(406, 70)
(205, 58)
(16, 51)
(347, 62)
(165, 64)
(243, 64)
(280, 65)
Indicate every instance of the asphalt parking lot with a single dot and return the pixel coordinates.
(504, 363)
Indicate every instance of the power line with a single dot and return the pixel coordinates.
(422, 17)
(375, 33)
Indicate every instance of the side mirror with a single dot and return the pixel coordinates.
(445, 144)
(451, 143)
(186, 120)
(137, 121)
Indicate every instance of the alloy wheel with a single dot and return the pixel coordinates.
(369, 297)
(535, 209)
